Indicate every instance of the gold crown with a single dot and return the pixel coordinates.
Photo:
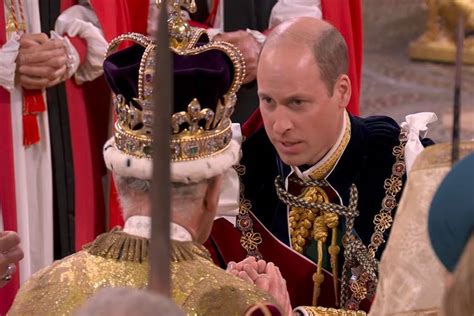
(196, 133)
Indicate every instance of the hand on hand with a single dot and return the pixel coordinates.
(10, 255)
(41, 61)
(249, 47)
(265, 276)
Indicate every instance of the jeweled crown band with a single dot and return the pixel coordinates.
(199, 146)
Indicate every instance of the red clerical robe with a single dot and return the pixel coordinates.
(88, 107)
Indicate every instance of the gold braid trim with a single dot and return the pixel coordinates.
(322, 171)
(244, 223)
(121, 246)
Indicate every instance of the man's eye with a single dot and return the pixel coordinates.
(297, 102)
(266, 100)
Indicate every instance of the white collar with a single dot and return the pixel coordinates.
(141, 226)
(304, 175)
(179, 233)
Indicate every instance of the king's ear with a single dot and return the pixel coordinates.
(343, 90)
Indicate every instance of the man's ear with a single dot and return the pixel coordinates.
(343, 90)
(213, 191)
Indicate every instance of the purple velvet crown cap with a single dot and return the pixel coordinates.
(206, 76)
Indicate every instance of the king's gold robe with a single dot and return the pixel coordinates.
(117, 259)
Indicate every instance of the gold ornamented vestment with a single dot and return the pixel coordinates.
(117, 259)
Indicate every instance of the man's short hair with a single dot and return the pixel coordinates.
(327, 44)
(131, 190)
(330, 52)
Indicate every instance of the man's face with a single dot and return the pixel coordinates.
(301, 119)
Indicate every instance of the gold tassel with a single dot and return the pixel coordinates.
(318, 277)
(332, 221)
(334, 251)
(320, 233)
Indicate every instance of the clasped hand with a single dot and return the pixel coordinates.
(10, 255)
(41, 61)
(265, 276)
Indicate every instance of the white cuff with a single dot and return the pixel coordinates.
(257, 35)
(73, 59)
(80, 21)
(285, 10)
(416, 124)
(211, 32)
(8, 54)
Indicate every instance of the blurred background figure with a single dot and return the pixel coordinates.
(127, 301)
(451, 231)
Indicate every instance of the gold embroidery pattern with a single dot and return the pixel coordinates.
(360, 265)
(249, 239)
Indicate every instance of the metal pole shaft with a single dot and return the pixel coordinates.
(159, 277)
(457, 89)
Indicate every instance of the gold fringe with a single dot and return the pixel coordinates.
(121, 246)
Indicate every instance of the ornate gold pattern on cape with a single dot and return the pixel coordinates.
(116, 259)
(439, 155)
(411, 277)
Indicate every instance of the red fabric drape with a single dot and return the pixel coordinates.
(88, 115)
(124, 16)
(121, 17)
(7, 176)
(346, 16)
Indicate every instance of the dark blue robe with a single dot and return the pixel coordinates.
(367, 161)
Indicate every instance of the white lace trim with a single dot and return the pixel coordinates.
(8, 54)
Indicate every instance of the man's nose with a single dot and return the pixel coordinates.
(282, 121)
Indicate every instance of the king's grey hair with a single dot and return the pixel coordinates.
(132, 191)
